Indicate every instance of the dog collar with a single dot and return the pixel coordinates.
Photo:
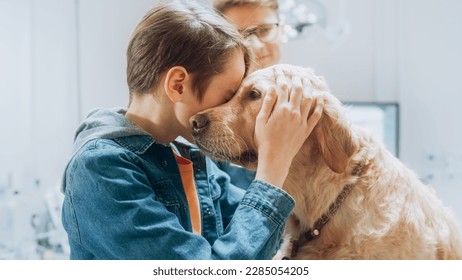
(315, 231)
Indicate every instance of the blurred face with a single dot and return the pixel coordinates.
(220, 90)
(259, 25)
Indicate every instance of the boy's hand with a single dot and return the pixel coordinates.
(288, 115)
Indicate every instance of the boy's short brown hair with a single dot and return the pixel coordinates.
(223, 5)
(181, 33)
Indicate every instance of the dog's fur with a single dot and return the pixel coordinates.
(389, 213)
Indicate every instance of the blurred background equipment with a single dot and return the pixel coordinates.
(30, 223)
(311, 19)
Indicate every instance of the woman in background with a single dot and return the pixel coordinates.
(258, 21)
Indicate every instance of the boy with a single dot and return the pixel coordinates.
(132, 192)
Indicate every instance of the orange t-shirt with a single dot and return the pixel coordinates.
(187, 178)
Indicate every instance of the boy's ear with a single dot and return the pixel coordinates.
(176, 82)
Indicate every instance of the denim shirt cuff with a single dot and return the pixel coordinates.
(270, 200)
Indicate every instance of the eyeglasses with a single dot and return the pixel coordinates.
(264, 32)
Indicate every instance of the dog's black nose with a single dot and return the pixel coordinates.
(199, 122)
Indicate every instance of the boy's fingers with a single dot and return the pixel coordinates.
(282, 86)
(296, 93)
(305, 107)
(315, 116)
(308, 100)
(267, 105)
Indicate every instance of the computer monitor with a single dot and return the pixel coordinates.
(380, 118)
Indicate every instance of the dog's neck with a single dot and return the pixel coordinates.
(312, 191)
(314, 186)
(315, 229)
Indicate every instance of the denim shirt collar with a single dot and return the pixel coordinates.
(137, 144)
(111, 123)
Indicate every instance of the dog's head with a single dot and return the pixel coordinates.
(227, 132)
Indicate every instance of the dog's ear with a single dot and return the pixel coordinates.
(334, 136)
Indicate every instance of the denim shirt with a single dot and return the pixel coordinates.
(124, 200)
(240, 176)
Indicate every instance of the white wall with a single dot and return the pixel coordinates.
(38, 72)
(15, 89)
(430, 92)
(348, 62)
(16, 114)
(38, 109)
(105, 27)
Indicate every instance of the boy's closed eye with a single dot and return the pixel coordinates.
(229, 96)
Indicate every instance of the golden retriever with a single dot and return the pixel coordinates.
(354, 199)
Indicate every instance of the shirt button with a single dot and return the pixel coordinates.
(198, 169)
(164, 163)
(208, 211)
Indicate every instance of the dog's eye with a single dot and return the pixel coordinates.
(254, 94)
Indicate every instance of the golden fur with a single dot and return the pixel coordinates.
(389, 213)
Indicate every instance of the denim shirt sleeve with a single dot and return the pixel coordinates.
(256, 227)
(110, 211)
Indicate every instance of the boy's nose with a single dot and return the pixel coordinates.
(199, 122)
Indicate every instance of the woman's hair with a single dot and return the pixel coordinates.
(181, 33)
(223, 5)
